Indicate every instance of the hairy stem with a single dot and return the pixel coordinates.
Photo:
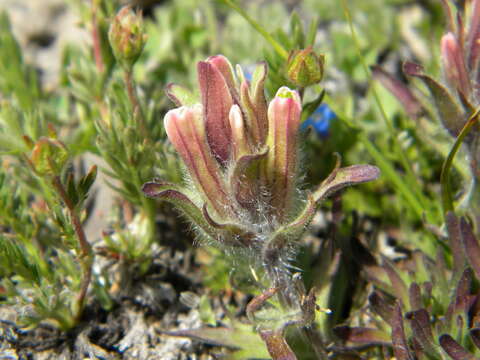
(86, 254)
(132, 96)
(97, 51)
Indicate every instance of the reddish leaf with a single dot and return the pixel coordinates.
(277, 346)
(381, 306)
(454, 349)
(452, 115)
(455, 238)
(362, 335)
(463, 290)
(415, 296)
(422, 330)
(344, 177)
(400, 346)
(471, 246)
(398, 285)
(462, 299)
(418, 349)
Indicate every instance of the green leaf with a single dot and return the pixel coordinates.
(451, 114)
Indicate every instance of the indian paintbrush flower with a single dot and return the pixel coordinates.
(127, 37)
(241, 156)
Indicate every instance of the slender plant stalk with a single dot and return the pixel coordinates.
(86, 255)
(447, 198)
(97, 51)
(137, 110)
(148, 204)
(260, 29)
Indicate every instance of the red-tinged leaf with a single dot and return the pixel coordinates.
(427, 288)
(422, 330)
(452, 115)
(343, 177)
(455, 238)
(175, 195)
(399, 287)
(401, 91)
(258, 301)
(381, 306)
(378, 277)
(418, 349)
(399, 340)
(277, 345)
(471, 246)
(463, 290)
(462, 300)
(475, 336)
(454, 349)
(415, 296)
(362, 335)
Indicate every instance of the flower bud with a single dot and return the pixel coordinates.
(283, 123)
(454, 64)
(48, 157)
(305, 67)
(127, 37)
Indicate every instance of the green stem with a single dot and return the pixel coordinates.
(136, 109)
(97, 51)
(411, 178)
(447, 198)
(260, 29)
(86, 254)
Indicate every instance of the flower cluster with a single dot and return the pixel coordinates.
(241, 155)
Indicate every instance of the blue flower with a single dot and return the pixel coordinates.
(320, 120)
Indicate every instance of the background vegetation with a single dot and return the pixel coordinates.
(393, 264)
